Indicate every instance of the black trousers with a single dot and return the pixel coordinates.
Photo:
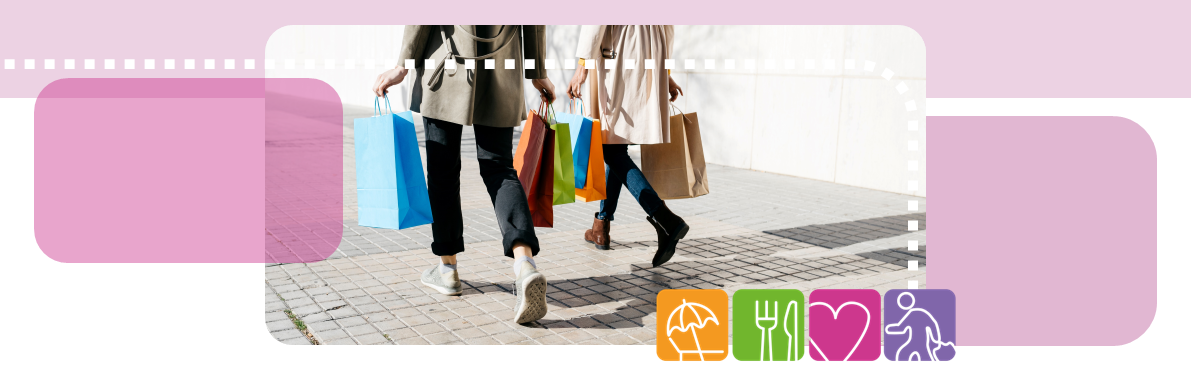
(494, 150)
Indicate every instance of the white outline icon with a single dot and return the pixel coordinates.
(930, 335)
(766, 330)
(683, 326)
(790, 344)
(835, 314)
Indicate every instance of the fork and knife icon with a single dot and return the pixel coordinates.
(766, 323)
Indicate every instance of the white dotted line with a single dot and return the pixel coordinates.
(127, 64)
(911, 165)
(549, 64)
(912, 125)
(351, 64)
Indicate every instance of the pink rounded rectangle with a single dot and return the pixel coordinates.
(1045, 228)
(179, 170)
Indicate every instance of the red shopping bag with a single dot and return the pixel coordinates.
(534, 163)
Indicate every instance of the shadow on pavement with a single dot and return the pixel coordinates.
(768, 257)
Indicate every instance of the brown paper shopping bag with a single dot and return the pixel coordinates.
(677, 170)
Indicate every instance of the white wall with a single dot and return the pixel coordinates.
(834, 124)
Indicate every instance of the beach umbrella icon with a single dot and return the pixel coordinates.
(687, 318)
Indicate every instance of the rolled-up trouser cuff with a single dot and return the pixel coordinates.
(446, 249)
(511, 237)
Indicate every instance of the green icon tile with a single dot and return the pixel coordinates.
(768, 325)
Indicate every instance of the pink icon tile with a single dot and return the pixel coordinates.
(845, 325)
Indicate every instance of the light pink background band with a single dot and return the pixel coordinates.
(1045, 228)
(1020, 206)
(1010, 48)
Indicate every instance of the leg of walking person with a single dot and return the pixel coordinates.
(494, 150)
(442, 181)
(621, 168)
(614, 184)
(602, 224)
(670, 227)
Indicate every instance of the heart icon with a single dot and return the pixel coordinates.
(839, 337)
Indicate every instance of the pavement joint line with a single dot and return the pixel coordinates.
(344, 298)
(290, 315)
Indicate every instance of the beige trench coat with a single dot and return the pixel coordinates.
(480, 96)
(631, 102)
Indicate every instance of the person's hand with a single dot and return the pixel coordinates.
(387, 79)
(675, 90)
(575, 90)
(545, 89)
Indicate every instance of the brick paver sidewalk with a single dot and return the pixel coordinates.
(755, 230)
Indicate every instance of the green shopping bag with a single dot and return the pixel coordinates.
(564, 166)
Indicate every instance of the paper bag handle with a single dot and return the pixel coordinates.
(675, 107)
(571, 105)
(376, 110)
(549, 115)
(543, 109)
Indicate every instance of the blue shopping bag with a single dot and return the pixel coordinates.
(580, 151)
(390, 183)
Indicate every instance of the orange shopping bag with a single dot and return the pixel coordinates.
(596, 188)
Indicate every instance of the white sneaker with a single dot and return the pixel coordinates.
(530, 288)
(447, 283)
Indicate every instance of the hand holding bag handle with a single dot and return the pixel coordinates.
(571, 105)
(545, 112)
(377, 111)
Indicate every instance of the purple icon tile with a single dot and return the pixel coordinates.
(919, 325)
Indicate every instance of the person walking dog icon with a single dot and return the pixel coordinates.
(923, 336)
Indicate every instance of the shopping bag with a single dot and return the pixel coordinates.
(596, 188)
(390, 183)
(564, 166)
(580, 128)
(534, 162)
(677, 170)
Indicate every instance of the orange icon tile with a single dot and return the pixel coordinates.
(692, 325)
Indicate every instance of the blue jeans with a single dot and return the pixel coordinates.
(622, 171)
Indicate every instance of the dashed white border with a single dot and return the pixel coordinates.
(912, 144)
(912, 185)
(372, 63)
(912, 165)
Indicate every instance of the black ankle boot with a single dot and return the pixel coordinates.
(670, 229)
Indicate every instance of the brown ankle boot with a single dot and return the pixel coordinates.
(598, 234)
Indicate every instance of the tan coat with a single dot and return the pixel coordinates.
(488, 97)
(632, 104)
